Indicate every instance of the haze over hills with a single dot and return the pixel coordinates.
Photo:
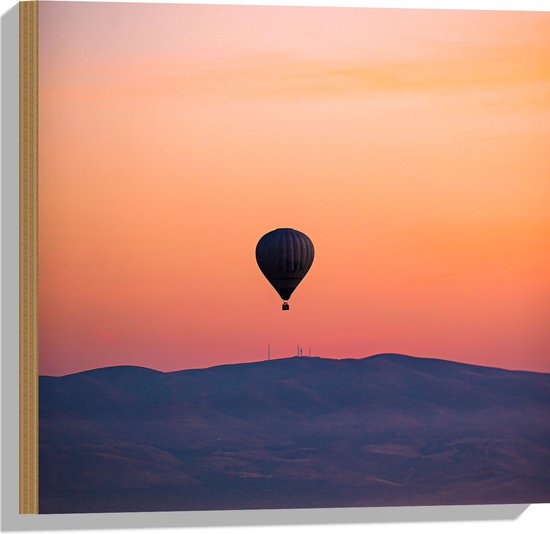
(294, 433)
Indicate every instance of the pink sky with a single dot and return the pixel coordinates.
(410, 145)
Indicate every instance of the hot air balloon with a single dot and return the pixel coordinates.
(284, 256)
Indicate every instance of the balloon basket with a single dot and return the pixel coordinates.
(285, 306)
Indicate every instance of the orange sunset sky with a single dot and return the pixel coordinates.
(412, 146)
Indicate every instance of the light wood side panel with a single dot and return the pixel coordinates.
(28, 257)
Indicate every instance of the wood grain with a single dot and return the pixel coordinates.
(28, 257)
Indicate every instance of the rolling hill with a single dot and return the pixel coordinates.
(294, 433)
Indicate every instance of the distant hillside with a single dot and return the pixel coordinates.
(294, 433)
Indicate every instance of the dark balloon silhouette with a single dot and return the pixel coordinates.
(284, 256)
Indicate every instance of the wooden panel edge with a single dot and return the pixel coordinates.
(28, 257)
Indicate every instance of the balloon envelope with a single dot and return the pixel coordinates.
(284, 256)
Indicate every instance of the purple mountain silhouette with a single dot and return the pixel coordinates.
(294, 433)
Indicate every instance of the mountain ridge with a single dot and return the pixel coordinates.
(298, 432)
(384, 355)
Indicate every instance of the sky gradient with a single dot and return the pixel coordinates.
(412, 146)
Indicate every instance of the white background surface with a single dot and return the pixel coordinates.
(473, 519)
